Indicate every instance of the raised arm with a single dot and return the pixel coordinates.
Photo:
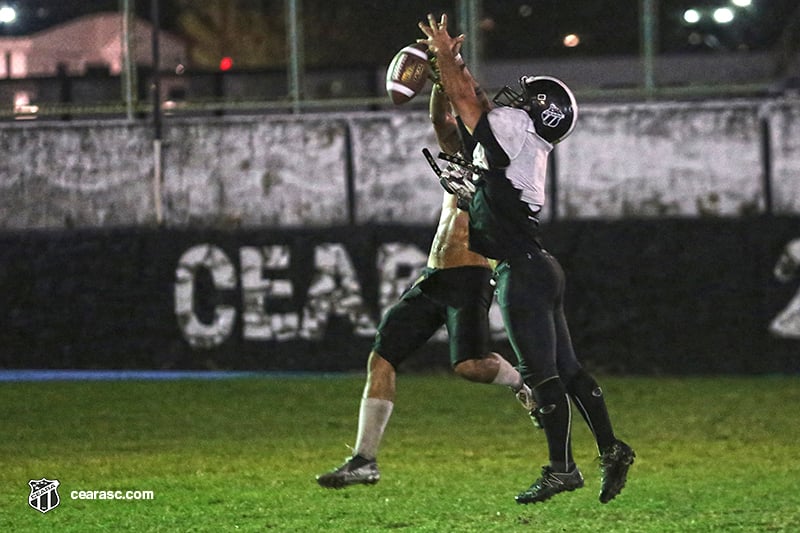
(444, 123)
(455, 77)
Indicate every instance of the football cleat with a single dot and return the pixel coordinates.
(614, 465)
(550, 484)
(525, 397)
(355, 471)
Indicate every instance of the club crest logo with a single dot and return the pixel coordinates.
(44, 494)
(552, 116)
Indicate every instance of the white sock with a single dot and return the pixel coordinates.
(507, 375)
(373, 415)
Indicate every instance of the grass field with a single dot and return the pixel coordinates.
(714, 454)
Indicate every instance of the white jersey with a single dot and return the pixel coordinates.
(527, 152)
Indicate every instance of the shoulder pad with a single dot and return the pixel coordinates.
(510, 126)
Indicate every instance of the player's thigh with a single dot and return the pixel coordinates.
(526, 293)
(408, 325)
(468, 331)
(532, 334)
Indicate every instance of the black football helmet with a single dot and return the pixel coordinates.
(549, 102)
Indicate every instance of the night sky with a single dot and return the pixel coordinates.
(510, 28)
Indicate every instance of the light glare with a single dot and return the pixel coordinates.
(742, 3)
(723, 15)
(692, 16)
(571, 40)
(7, 15)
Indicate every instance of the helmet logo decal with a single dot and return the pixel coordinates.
(552, 116)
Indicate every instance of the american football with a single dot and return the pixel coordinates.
(408, 72)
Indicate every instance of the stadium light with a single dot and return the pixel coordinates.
(7, 15)
(742, 3)
(692, 16)
(571, 40)
(723, 15)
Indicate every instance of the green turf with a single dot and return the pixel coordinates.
(714, 454)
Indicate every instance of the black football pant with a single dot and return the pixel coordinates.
(530, 292)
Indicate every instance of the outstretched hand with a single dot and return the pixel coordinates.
(455, 77)
(438, 39)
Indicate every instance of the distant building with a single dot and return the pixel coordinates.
(91, 42)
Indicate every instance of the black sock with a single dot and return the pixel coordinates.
(554, 407)
(588, 396)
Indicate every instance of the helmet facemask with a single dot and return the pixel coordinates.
(506, 97)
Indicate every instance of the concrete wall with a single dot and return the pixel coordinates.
(784, 121)
(255, 172)
(679, 159)
(87, 175)
(645, 160)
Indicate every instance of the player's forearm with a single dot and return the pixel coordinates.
(460, 86)
(444, 123)
(439, 106)
(457, 81)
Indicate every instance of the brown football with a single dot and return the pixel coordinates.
(408, 73)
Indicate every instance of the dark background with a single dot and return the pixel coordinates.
(668, 296)
(510, 28)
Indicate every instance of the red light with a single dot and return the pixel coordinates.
(226, 63)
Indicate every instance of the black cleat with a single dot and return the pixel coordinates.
(355, 471)
(550, 484)
(525, 397)
(614, 465)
